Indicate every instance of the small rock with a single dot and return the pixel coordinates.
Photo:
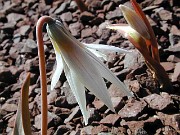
(11, 121)
(159, 102)
(168, 66)
(173, 58)
(87, 130)
(51, 97)
(158, 2)
(174, 48)
(176, 74)
(75, 29)
(32, 65)
(133, 85)
(165, 15)
(110, 119)
(86, 32)
(62, 129)
(115, 91)
(95, 4)
(118, 103)
(53, 120)
(66, 17)
(88, 40)
(168, 130)
(2, 37)
(99, 129)
(14, 17)
(9, 107)
(70, 98)
(116, 14)
(175, 31)
(50, 131)
(24, 30)
(170, 120)
(17, 38)
(151, 21)
(105, 34)
(140, 131)
(73, 5)
(132, 109)
(100, 106)
(145, 81)
(30, 46)
(134, 126)
(133, 60)
(62, 8)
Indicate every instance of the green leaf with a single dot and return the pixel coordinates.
(22, 123)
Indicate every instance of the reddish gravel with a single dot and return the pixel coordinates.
(151, 112)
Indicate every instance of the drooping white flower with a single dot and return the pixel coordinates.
(82, 68)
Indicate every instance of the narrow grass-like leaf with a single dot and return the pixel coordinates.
(22, 123)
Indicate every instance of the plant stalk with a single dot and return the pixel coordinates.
(42, 68)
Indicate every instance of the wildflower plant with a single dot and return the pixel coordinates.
(141, 35)
(83, 69)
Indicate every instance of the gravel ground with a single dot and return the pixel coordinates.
(150, 113)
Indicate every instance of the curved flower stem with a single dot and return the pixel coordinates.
(42, 67)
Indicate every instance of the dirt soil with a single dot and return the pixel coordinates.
(152, 112)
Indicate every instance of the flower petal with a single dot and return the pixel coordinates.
(100, 55)
(88, 74)
(124, 29)
(78, 90)
(107, 74)
(106, 48)
(135, 21)
(102, 51)
(58, 71)
(59, 66)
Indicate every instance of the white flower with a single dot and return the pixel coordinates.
(136, 24)
(82, 68)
